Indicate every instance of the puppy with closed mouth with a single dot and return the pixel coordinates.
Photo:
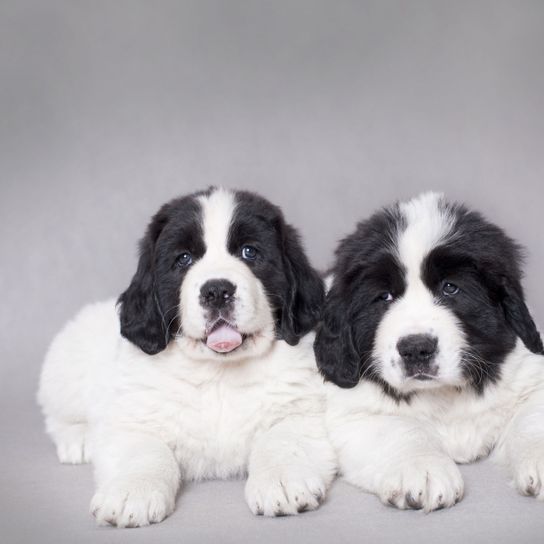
(432, 356)
(204, 368)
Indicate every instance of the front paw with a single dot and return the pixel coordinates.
(529, 474)
(427, 483)
(132, 503)
(284, 493)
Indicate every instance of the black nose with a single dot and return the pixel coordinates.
(217, 293)
(417, 349)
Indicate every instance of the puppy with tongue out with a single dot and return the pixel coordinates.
(223, 337)
(216, 374)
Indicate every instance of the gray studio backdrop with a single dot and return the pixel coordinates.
(330, 109)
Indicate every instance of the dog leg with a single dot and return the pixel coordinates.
(291, 467)
(399, 460)
(137, 480)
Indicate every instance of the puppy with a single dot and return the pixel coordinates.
(426, 332)
(204, 370)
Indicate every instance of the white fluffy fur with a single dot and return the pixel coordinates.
(149, 423)
(407, 452)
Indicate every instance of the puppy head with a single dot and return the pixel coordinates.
(223, 274)
(425, 294)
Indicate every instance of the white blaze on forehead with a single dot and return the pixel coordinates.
(427, 223)
(217, 213)
(251, 312)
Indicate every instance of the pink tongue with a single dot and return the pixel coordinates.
(224, 339)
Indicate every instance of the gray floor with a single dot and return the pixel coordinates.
(331, 108)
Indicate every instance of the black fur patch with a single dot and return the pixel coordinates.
(484, 263)
(149, 307)
(365, 268)
(294, 289)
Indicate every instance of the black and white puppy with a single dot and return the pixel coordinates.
(206, 371)
(438, 360)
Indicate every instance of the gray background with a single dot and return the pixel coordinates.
(109, 108)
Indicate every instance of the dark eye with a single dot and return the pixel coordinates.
(184, 260)
(450, 289)
(249, 253)
(386, 297)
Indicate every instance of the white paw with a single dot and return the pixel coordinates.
(284, 493)
(133, 503)
(424, 483)
(529, 475)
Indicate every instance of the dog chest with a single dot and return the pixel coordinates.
(214, 428)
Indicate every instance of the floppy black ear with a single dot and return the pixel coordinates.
(305, 292)
(334, 347)
(140, 313)
(518, 316)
